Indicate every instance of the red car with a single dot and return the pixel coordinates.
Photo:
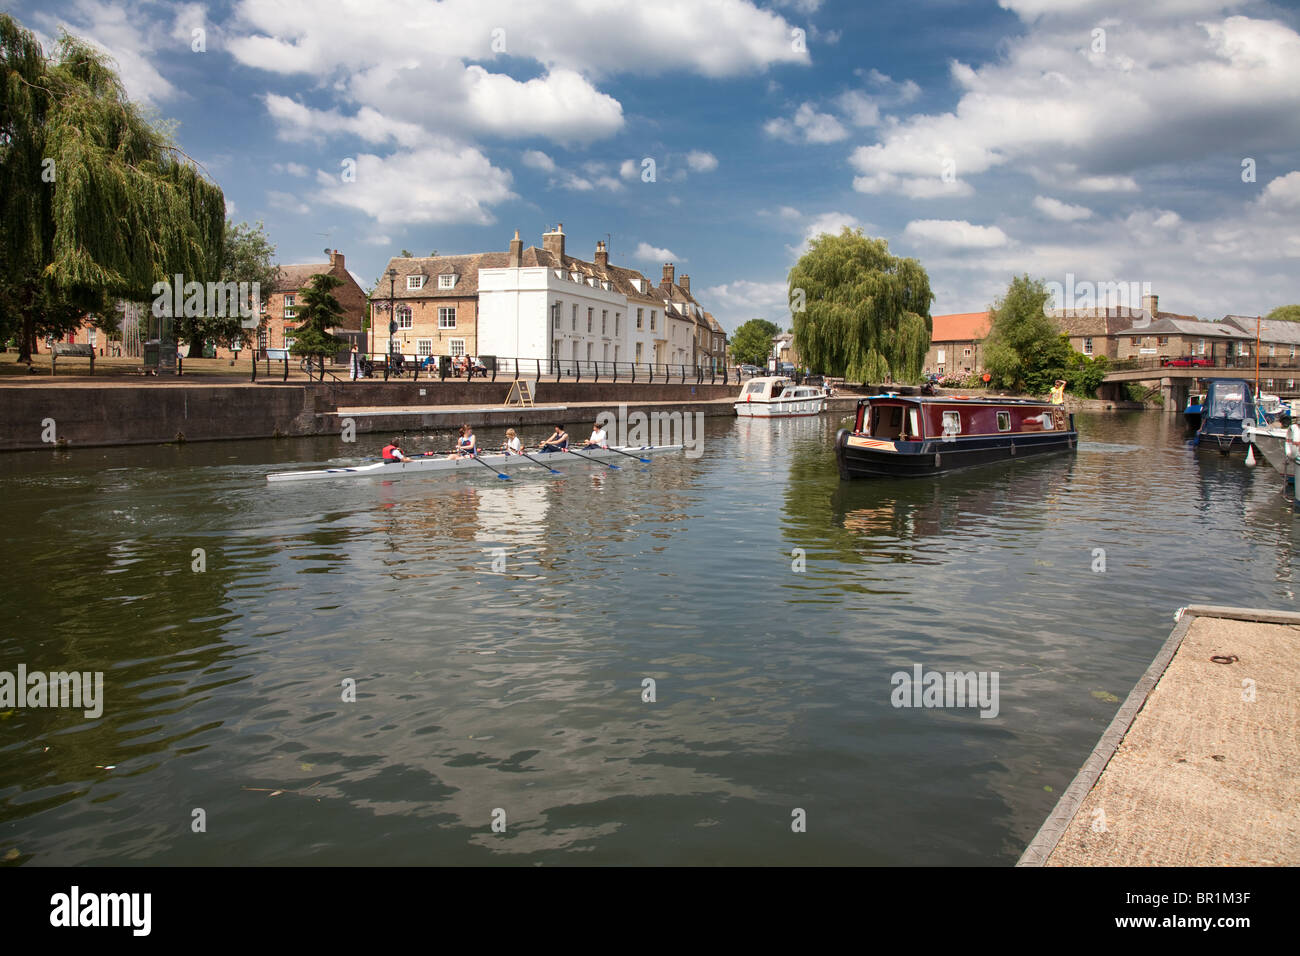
(1187, 361)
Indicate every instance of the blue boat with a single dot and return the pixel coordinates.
(1229, 406)
(1193, 412)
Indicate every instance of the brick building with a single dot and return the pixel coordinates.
(955, 343)
(279, 309)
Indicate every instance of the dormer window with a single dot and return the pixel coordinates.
(415, 282)
(446, 281)
(575, 276)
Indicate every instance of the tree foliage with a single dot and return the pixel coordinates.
(96, 201)
(318, 312)
(866, 314)
(751, 343)
(1285, 313)
(247, 255)
(1026, 352)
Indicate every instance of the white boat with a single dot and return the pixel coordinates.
(1272, 444)
(775, 396)
(499, 464)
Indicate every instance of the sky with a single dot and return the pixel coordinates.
(1154, 144)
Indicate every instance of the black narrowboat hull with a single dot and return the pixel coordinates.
(859, 457)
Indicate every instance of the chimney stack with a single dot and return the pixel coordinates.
(1151, 303)
(516, 251)
(553, 242)
(336, 261)
(668, 274)
(602, 255)
(685, 283)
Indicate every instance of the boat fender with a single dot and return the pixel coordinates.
(1013, 449)
(938, 459)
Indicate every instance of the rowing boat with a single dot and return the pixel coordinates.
(614, 455)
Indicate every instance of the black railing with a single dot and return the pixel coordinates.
(1241, 362)
(496, 367)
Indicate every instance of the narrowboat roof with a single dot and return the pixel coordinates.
(955, 400)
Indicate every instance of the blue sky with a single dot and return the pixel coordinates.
(987, 139)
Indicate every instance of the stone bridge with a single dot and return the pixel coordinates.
(1176, 383)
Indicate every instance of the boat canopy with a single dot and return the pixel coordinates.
(1230, 398)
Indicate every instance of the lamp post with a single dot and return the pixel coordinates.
(392, 312)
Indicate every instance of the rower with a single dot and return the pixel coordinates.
(559, 440)
(513, 446)
(598, 438)
(466, 446)
(393, 452)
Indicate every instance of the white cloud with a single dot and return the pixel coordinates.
(400, 190)
(1283, 192)
(1060, 211)
(293, 169)
(287, 202)
(701, 162)
(832, 222)
(807, 126)
(858, 108)
(954, 234)
(733, 303)
(536, 159)
(648, 253)
(630, 169)
(913, 187)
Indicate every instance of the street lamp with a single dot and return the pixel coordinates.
(392, 312)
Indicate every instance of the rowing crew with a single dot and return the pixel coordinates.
(467, 445)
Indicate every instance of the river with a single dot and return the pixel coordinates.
(769, 603)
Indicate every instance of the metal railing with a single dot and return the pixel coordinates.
(1203, 361)
(493, 368)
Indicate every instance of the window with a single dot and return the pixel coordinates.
(1004, 421)
(288, 301)
(574, 325)
(589, 344)
(618, 320)
(615, 353)
(604, 321)
(639, 313)
(1087, 346)
(404, 318)
(446, 282)
(415, 282)
(1162, 340)
(290, 313)
(591, 318)
(456, 347)
(952, 423)
(1201, 343)
(652, 320)
(424, 346)
(289, 337)
(638, 349)
(447, 317)
(942, 356)
(966, 352)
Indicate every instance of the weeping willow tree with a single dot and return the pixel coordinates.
(96, 201)
(866, 314)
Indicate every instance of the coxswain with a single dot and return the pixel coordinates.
(393, 451)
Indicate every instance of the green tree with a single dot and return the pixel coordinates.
(1024, 349)
(1285, 313)
(96, 201)
(318, 312)
(751, 343)
(248, 256)
(866, 314)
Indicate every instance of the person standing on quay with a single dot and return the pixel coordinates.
(1058, 392)
(356, 363)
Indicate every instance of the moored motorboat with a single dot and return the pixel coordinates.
(775, 396)
(1193, 412)
(1229, 407)
(536, 461)
(896, 436)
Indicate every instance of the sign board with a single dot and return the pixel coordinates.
(1147, 351)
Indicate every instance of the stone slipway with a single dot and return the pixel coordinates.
(1199, 766)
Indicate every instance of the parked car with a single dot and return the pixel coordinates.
(1187, 361)
(785, 368)
(750, 370)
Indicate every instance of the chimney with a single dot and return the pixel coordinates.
(602, 255)
(336, 261)
(685, 283)
(517, 251)
(668, 274)
(553, 242)
(1151, 303)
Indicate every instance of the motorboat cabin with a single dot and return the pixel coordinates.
(1229, 407)
(776, 396)
(898, 436)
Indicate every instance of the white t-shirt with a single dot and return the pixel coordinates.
(598, 437)
(513, 446)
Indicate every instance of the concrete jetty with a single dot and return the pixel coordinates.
(1198, 767)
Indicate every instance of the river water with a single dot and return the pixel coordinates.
(769, 603)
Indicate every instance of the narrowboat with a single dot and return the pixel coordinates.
(897, 436)
(775, 396)
(1229, 407)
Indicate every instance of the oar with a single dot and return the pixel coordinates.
(596, 460)
(542, 463)
(644, 461)
(490, 468)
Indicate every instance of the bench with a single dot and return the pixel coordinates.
(70, 350)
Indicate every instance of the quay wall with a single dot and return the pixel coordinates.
(153, 413)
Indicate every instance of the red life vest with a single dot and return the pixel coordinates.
(388, 453)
